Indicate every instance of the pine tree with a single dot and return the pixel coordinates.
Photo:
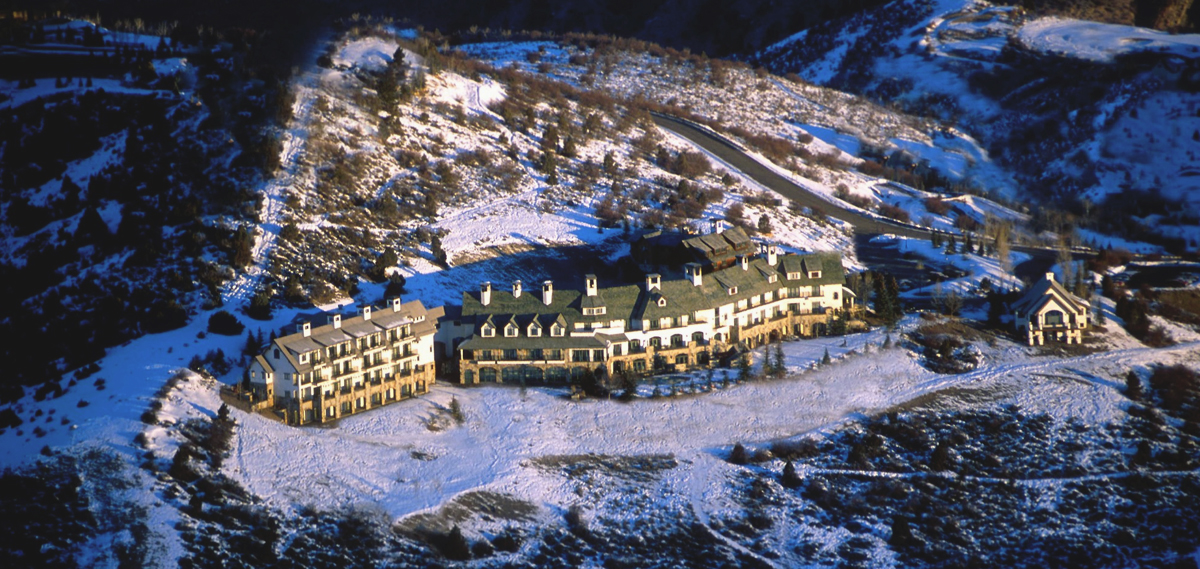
(780, 367)
(738, 454)
(744, 371)
(825, 359)
(1133, 386)
(952, 246)
(901, 532)
(790, 478)
(887, 341)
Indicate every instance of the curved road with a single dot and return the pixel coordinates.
(865, 226)
(733, 154)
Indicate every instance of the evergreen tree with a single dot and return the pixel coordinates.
(941, 459)
(825, 359)
(901, 532)
(951, 246)
(790, 478)
(1133, 386)
(744, 371)
(738, 455)
(456, 547)
(780, 367)
(887, 341)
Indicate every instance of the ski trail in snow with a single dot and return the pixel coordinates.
(793, 94)
(241, 288)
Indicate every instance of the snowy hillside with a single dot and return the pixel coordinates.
(1072, 110)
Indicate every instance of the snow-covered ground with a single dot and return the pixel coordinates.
(1102, 42)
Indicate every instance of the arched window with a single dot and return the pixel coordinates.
(697, 336)
(677, 341)
(1054, 318)
(656, 342)
(487, 375)
(681, 359)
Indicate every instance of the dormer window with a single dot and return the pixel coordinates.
(510, 331)
(814, 274)
(488, 331)
(535, 331)
(598, 311)
(303, 358)
(772, 278)
(557, 330)
(662, 301)
(732, 290)
(793, 276)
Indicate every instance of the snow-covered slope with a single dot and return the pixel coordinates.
(1071, 110)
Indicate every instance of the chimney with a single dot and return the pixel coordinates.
(745, 261)
(772, 255)
(589, 282)
(548, 292)
(1050, 277)
(395, 304)
(485, 293)
(366, 312)
(336, 320)
(516, 289)
(653, 282)
(305, 329)
(693, 273)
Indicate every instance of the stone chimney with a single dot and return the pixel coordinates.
(589, 284)
(336, 320)
(305, 329)
(653, 282)
(395, 302)
(1050, 277)
(366, 312)
(516, 289)
(693, 272)
(548, 292)
(744, 261)
(485, 293)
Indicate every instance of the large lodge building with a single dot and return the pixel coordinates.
(348, 365)
(662, 324)
(726, 298)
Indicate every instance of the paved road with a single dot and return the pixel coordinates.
(736, 156)
(864, 225)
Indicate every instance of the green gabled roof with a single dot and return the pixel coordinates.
(634, 302)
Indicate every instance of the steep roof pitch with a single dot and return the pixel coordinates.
(1042, 292)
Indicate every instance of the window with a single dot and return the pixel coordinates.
(510, 331)
(835, 296)
(488, 331)
(557, 330)
(732, 290)
(536, 354)
(697, 336)
(814, 274)
(1054, 318)
(276, 353)
(535, 331)
(510, 354)
(677, 341)
(597, 355)
(580, 355)
(486, 355)
(639, 365)
(554, 354)
(617, 349)
(681, 359)
(793, 276)
(772, 278)
(656, 342)
(303, 358)
(662, 301)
